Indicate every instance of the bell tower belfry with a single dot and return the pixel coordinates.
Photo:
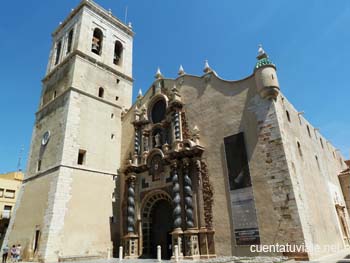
(64, 208)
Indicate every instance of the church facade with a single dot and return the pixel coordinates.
(207, 165)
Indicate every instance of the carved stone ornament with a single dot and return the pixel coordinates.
(207, 196)
(185, 130)
(157, 167)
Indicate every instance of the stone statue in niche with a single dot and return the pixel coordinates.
(157, 139)
(145, 143)
(157, 168)
(143, 113)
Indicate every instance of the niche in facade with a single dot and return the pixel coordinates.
(97, 38)
(156, 167)
(158, 111)
(118, 50)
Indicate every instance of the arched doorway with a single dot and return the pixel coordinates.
(157, 225)
(160, 228)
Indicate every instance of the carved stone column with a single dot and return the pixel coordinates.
(177, 232)
(200, 201)
(136, 146)
(131, 239)
(208, 233)
(203, 242)
(131, 204)
(145, 139)
(191, 233)
(188, 195)
(177, 129)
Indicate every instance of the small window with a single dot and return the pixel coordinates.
(1, 192)
(39, 166)
(81, 157)
(112, 136)
(118, 80)
(318, 163)
(8, 207)
(321, 143)
(36, 240)
(288, 116)
(101, 92)
(299, 149)
(10, 194)
(97, 38)
(112, 115)
(308, 130)
(118, 50)
(6, 213)
(116, 98)
(113, 220)
(58, 52)
(54, 95)
(70, 41)
(300, 122)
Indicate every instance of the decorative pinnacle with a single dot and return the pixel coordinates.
(130, 25)
(207, 68)
(261, 52)
(181, 71)
(158, 74)
(139, 94)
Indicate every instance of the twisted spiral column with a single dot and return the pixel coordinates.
(176, 123)
(188, 196)
(137, 142)
(176, 197)
(131, 205)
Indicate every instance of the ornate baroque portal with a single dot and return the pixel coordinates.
(168, 195)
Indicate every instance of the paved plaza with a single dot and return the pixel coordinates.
(340, 257)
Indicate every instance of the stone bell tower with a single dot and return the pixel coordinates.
(65, 205)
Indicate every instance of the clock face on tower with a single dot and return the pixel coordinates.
(45, 138)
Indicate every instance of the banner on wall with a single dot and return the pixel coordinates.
(244, 217)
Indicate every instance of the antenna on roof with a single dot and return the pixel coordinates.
(126, 14)
(20, 159)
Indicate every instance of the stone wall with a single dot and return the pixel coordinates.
(30, 211)
(344, 180)
(50, 118)
(313, 167)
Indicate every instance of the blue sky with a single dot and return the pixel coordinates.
(308, 41)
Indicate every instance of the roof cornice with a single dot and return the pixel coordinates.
(97, 9)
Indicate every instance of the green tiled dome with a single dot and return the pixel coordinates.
(263, 62)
